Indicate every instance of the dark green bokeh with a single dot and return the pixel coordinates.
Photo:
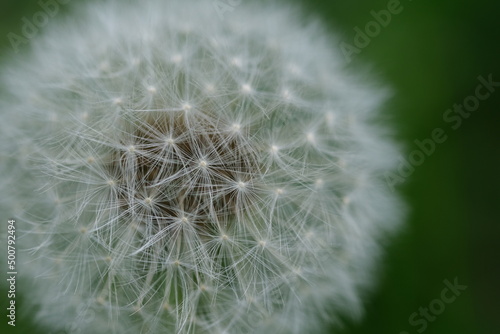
(431, 54)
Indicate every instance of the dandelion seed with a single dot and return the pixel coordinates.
(319, 183)
(176, 58)
(287, 95)
(311, 138)
(236, 127)
(170, 141)
(104, 66)
(236, 62)
(329, 118)
(210, 88)
(246, 89)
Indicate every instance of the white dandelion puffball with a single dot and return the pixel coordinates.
(173, 170)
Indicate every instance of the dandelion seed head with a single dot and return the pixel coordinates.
(194, 175)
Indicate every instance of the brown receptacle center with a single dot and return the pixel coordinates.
(181, 169)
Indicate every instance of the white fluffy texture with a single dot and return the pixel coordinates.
(172, 172)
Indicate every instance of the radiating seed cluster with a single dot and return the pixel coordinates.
(185, 168)
(178, 173)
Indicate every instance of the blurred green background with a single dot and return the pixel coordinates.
(431, 53)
